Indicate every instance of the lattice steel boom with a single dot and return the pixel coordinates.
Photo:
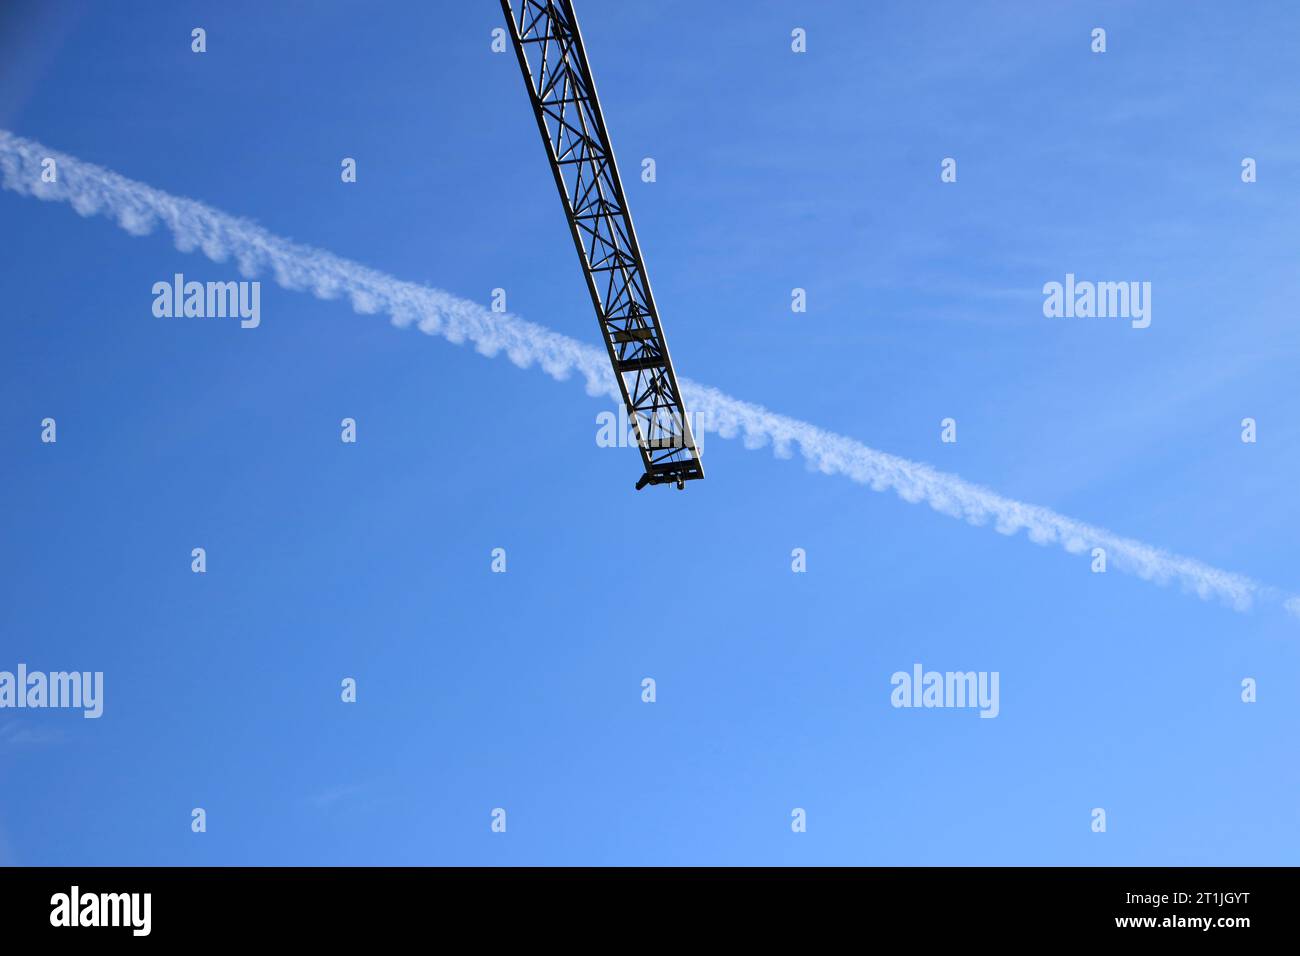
(563, 95)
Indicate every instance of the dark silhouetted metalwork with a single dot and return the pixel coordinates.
(563, 95)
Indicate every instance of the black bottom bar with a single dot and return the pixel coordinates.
(974, 905)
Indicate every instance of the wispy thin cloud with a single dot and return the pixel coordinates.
(137, 208)
(14, 735)
(327, 797)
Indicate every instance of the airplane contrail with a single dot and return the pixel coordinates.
(92, 190)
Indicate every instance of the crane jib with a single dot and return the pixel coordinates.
(549, 47)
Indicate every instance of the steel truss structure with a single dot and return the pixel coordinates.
(549, 46)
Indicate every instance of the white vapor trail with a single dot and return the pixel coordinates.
(137, 208)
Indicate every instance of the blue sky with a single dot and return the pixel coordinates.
(523, 690)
